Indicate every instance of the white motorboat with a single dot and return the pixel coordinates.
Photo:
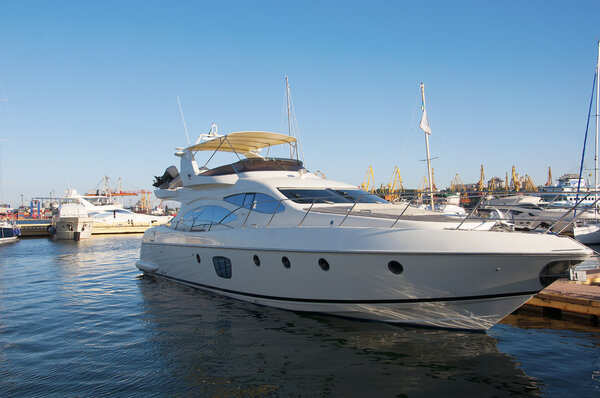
(70, 221)
(105, 212)
(531, 212)
(9, 231)
(267, 231)
(588, 233)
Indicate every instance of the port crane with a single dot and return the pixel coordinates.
(549, 182)
(104, 189)
(423, 186)
(529, 185)
(368, 183)
(515, 182)
(480, 184)
(394, 188)
(457, 184)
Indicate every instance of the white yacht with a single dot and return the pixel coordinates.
(105, 212)
(267, 231)
(531, 212)
(9, 232)
(70, 221)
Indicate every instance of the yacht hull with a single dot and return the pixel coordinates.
(71, 228)
(440, 278)
(588, 234)
(7, 240)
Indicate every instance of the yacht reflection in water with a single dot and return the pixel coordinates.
(211, 345)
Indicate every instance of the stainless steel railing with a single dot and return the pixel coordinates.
(474, 201)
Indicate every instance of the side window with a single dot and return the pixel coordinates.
(237, 200)
(259, 202)
(267, 204)
(203, 217)
(248, 200)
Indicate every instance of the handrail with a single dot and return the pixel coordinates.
(349, 211)
(592, 206)
(403, 211)
(274, 212)
(471, 212)
(308, 211)
(247, 215)
(344, 208)
(567, 213)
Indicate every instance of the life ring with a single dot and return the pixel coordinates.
(51, 230)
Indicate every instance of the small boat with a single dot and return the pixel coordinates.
(70, 221)
(9, 232)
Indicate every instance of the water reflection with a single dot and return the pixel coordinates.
(218, 346)
(76, 319)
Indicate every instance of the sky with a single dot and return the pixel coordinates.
(91, 88)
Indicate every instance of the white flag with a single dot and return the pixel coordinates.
(424, 125)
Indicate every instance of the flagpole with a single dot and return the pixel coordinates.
(430, 179)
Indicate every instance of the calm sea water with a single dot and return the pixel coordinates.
(78, 319)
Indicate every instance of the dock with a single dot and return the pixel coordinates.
(119, 229)
(34, 229)
(40, 229)
(567, 299)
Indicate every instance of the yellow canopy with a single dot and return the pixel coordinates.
(244, 142)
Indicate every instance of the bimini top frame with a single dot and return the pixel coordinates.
(247, 143)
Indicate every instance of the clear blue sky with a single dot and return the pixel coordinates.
(92, 86)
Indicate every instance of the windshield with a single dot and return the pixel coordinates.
(328, 195)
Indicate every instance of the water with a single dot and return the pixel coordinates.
(77, 319)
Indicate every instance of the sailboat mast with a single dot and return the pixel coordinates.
(427, 148)
(597, 117)
(287, 96)
(289, 115)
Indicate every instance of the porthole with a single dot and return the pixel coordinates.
(323, 264)
(395, 267)
(222, 266)
(198, 258)
(256, 260)
(286, 262)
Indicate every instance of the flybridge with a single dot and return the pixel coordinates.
(246, 145)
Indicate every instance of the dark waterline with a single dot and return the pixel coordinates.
(78, 319)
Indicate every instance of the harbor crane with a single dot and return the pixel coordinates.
(549, 182)
(480, 184)
(515, 181)
(394, 188)
(457, 184)
(424, 186)
(529, 185)
(368, 183)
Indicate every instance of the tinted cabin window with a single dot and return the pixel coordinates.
(360, 196)
(202, 218)
(259, 202)
(237, 200)
(308, 195)
(317, 195)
